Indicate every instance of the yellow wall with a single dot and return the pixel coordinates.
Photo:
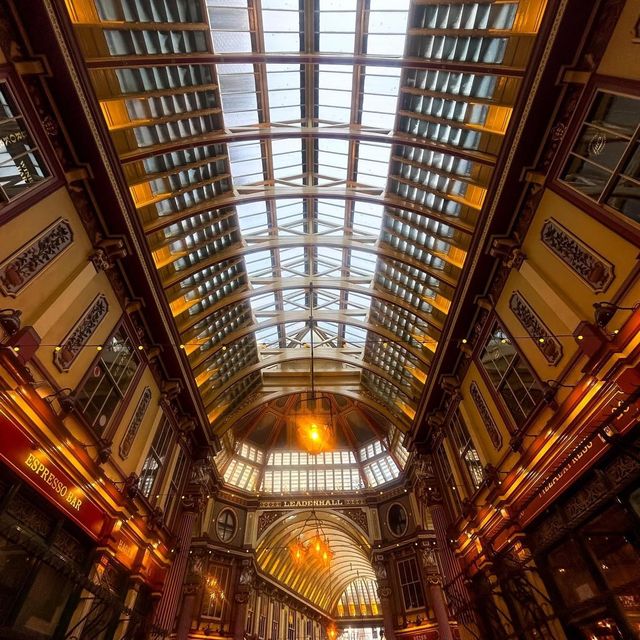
(56, 299)
(622, 57)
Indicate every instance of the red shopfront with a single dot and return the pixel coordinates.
(583, 525)
(50, 531)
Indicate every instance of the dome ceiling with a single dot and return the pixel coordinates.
(263, 452)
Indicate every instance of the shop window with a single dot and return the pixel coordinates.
(448, 480)
(510, 375)
(226, 525)
(571, 573)
(604, 162)
(465, 449)
(34, 542)
(262, 619)
(250, 614)
(291, 628)
(176, 486)
(410, 584)
(108, 382)
(213, 603)
(156, 458)
(21, 163)
(275, 621)
(611, 537)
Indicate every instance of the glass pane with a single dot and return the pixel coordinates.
(585, 177)
(570, 573)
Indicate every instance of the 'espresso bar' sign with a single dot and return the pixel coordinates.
(44, 475)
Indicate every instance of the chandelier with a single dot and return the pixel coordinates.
(316, 547)
(312, 414)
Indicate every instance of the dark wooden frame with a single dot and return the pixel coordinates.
(13, 208)
(492, 319)
(608, 216)
(116, 418)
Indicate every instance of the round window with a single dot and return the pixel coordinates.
(397, 519)
(226, 525)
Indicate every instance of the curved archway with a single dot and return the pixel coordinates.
(321, 586)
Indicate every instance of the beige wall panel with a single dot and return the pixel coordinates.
(99, 285)
(528, 345)
(476, 425)
(52, 280)
(622, 57)
(622, 254)
(142, 441)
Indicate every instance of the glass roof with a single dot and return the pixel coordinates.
(325, 158)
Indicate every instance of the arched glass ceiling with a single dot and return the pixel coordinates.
(323, 587)
(360, 599)
(289, 154)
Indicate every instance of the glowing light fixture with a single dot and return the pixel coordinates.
(317, 547)
(313, 413)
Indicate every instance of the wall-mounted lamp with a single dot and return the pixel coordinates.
(604, 311)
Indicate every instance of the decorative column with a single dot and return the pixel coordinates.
(87, 598)
(456, 590)
(190, 593)
(125, 623)
(384, 593)
(241, 598)
(165, 614)
(434, 587)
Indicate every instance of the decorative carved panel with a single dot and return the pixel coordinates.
(546, 342)
(136, 421)
(80, 334)
(485, 414)
(590, 266)
(25, 264)
(359, 516)
(267, 518)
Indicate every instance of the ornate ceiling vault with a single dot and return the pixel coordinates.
(322, 587)
(290, 156)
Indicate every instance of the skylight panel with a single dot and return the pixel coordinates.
(252, 217)
(246, 162)
(260, 303)
(281, 25)
(259, 264)
(287, 158)
(337, 25)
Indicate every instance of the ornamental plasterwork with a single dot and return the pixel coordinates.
(589, 265)
(546, 342)
(80, 334)
(267, 518)
(485, 414)
(136, 421)
(359, 516)
(26, 263)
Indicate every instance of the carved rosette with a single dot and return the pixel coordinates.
(485, 414)
(384, 592)
(267, 518)
(24, 265)
(136, 421)
(80, 334)
(596, 272)
(546, 342)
